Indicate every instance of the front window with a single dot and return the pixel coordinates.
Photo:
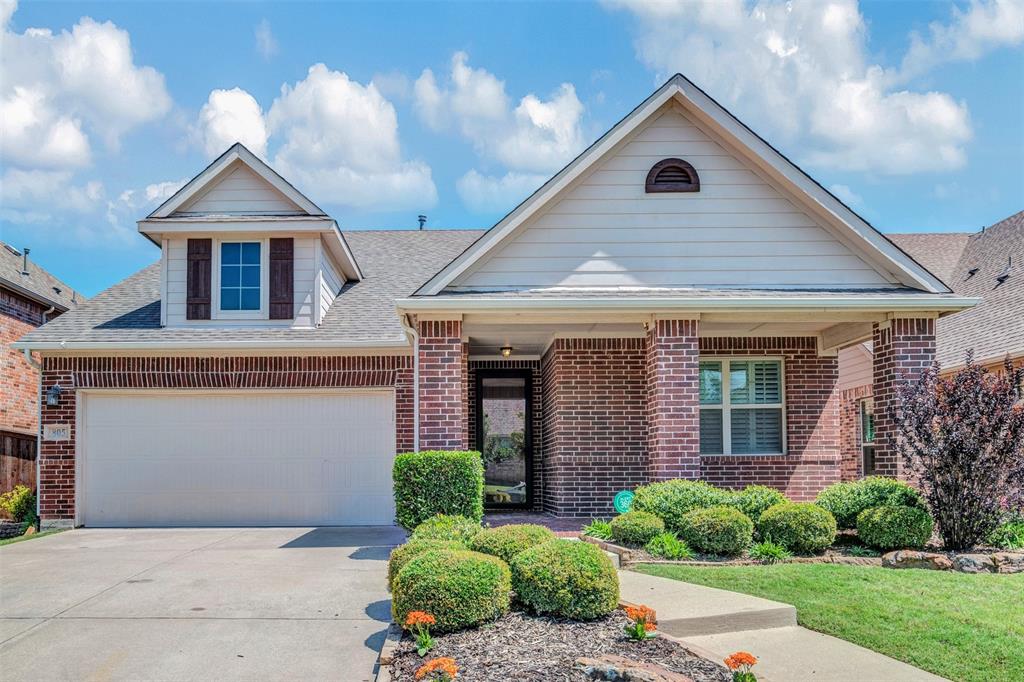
(741, 407)
(867, 435)
(240, 276)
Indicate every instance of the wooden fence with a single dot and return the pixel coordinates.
(17, 460)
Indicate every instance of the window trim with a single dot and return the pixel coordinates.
(264, 310)
(726, 406)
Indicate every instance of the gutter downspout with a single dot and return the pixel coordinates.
(46, 314)
(39, 419)
(414, 336)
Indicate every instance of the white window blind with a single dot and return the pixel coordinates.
(741, 407)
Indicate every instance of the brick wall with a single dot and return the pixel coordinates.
(538, 425)
(812, 420)
(57, 458)
(18, 379)
(673, 400)
(850, 440)
(443, 368)
(903, 348)
(595, 423)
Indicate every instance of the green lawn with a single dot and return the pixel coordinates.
(25, 538)
(963, 627)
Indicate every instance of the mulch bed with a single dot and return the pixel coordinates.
(531, 648)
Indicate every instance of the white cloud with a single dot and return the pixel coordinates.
(800, 71)
(537, 136)
(847, 195)
(339, 142)
(33, 134)
(487, 194)
(266, 44)
(984, 27)
(231, 116)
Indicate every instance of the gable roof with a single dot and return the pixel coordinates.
(38, 284)
(819, 201)
(937, 251)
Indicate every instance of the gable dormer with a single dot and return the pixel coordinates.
(242, 247)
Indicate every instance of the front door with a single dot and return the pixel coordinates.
(504, 436)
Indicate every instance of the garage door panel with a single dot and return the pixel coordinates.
(238, 459)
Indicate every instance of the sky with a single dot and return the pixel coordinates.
(910, 112)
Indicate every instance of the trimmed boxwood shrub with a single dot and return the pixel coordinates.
(846, 500)
(566, 578)
(636, 527)
(670, 500)
(437, 482)
(459, 588)
(403, 554)
(717, 530)
(754, 499)
(800, 527)
(894, 527)
(444, 527)
(505, 542)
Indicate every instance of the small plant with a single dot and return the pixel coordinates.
(443, 669)
(895, 527)
(717, 530)
(19, 504)
(1009, 534)
(598, 528)
(443, 527)
(564, 578)
(667, 545)
(419, 622)
(636, 527)
(800, 527)
(768, 552)
(861, 551)
(740, 664)
(644, 622)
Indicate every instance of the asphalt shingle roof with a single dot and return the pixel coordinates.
(38, 282)
(394, 264)
(939, 252)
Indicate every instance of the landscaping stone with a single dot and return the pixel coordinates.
(974, 563)
(12, 529)
(1009, 562)
(620, 669)
(907, 558)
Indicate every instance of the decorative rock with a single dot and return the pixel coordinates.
(1009, 562)
(974, 563)
(618, 669)
(907, 558)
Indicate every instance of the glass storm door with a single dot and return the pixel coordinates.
(503, 436)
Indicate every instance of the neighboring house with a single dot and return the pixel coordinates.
(988, 265)
(29, 296)
(670, 304)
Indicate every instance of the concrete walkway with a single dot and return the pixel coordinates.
(723, 622)
(195, 604)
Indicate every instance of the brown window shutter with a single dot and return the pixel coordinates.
(282, 278)
(197, 302)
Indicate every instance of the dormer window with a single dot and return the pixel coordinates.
(240, 276)
(672, 175)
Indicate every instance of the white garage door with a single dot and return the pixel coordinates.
(245, 459)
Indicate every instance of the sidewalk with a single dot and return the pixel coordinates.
(723, 622)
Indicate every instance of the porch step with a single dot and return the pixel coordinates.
(686, 610)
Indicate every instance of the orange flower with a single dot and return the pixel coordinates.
(740, 659)
(650, 627)
(445, 666)
(641, 614)
(419, 618)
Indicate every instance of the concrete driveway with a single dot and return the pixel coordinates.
(164, 604)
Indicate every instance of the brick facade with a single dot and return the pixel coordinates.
(903, 348)
(57, 460)
(444, 375)
(595, 423)
(673, 400)
(19, 381)
(812, 420)
(851, 465)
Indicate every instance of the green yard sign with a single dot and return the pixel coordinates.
(623, 501)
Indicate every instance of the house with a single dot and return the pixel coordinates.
(670, 304)
(29, 296)
(988, 265)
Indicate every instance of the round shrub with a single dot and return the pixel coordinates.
(670, 500)
(754, 499)
(459, 588)
(636, 527)
(894, 527)
(403, 554)
(717, 530)
(800, 527)
(433, 482)
(846, 500)
(505, 542)
(566, 578)
(444, 527)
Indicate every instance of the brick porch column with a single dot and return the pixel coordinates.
(442, 388)
(673, 400)
(903, 348)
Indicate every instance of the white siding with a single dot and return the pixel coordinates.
(855, 367)
(606, 231)
(304, 286)
(330, 285)
(240, 191)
